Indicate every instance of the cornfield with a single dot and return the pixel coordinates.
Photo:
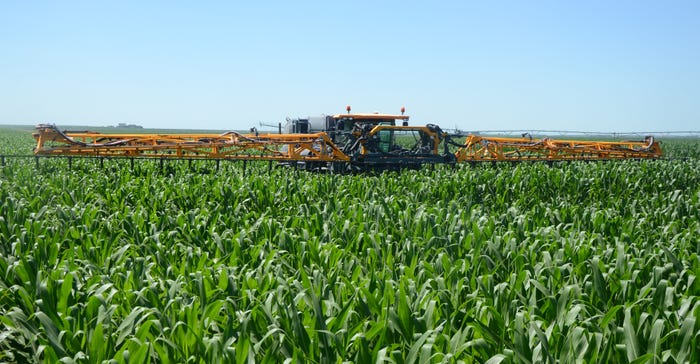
(528, 263)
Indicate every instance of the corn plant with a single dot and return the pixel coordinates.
(577, 262)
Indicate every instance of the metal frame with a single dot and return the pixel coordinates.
(229, 145)
(477, 148)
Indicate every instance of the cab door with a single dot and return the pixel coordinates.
(386, 140)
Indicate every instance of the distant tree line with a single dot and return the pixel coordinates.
(125, 125)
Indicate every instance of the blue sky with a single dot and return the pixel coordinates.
(564, 65)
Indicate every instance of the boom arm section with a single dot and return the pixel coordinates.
(230, 145)
(477, 148)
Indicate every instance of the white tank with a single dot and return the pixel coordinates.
(311, 124)
(317, 123)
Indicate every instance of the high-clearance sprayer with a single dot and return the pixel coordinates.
(343, 143)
